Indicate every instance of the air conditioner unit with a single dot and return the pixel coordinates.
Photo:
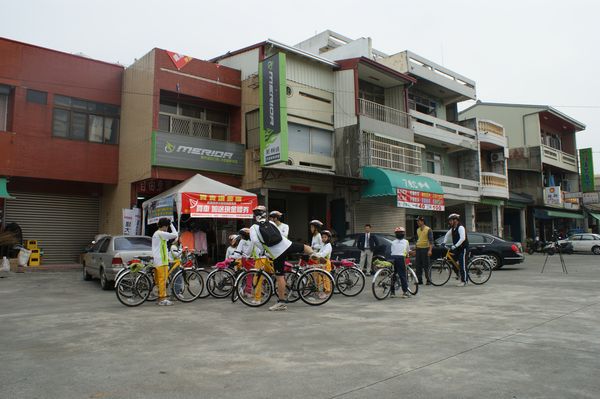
(497, 156)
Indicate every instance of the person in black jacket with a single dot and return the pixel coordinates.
(366, 243)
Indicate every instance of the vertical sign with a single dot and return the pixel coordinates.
(273, 110)
(586, 165)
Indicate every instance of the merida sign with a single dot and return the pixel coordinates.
(197, 153)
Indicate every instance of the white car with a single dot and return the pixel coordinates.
(585, 242)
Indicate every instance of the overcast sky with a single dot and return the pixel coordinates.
(533, 52)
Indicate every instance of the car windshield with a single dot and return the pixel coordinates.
(387, 237)
(133, 244)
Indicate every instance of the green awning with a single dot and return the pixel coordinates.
(491, 201)
(383, 182)
(3, 190)
(566, 215)
(595, 215)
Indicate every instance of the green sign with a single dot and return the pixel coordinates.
(586, 165)
(273, 110)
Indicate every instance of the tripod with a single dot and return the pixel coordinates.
(562, 260)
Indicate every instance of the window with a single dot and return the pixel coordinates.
(371, 92)
(587, 237)
(310, 140)
(38, 97)
(4, 93)
(85, 120)
(476, 239)
(191, 120)
(422, 104)
(104, 247)
(434, 163)
(133, 244)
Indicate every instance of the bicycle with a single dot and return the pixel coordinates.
(221, 280)
(255, 287)
(385, 276)
(135, 284)
(349, 279)
(479, 269)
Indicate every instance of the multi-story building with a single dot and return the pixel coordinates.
(542, 165)
(179, 116)
(59, 134)
(433, 146)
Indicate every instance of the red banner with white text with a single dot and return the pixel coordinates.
(218, 206)
(419, 200)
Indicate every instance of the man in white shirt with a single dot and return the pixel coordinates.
(161, 258)
(457, 235)
(275, 216)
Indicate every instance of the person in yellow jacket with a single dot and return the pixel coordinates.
(324, 256)
(161, 258)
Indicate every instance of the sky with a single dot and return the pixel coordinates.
(527, 51)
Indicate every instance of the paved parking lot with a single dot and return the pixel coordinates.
(522, 335)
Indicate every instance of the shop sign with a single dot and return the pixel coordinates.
(197, 153)
(552, 195)
(567, 195)
(586, 164)
(131, 221)
(273, 110)
(218, 206)
(419, 200)
(591, 198)
(179, 60)
(161, 208)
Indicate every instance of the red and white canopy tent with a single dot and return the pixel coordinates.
(200, 197)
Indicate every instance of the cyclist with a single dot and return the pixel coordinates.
(315, 231)
(161, 258)
(322, 257)
(275, 216)
(233, 243)
(460, 245)
(399, 251)
(278, 250)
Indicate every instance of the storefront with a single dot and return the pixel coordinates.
(548, 221)
(488, 216)
(393, 199)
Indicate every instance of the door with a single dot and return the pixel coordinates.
(478, 243)
(105, 255)
(576, 241)
(92, 258)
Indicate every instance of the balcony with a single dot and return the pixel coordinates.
(494, 185)
(433, 130)
(456, 188)
(192, 126)
(379, 118)
(560, 159)
(390, 154)
(491, 134)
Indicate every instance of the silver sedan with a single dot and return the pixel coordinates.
(585, 242)
(110, 254)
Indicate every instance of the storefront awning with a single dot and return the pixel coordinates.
(595, 215)
(383, 182)
(3, 190)
(491, 201)
(547, 214)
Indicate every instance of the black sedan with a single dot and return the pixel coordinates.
(346, 248)
(501, 252)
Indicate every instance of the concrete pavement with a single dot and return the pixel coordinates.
(522, 335)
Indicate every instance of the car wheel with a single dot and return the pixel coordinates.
(104, 283)
(86, 276)
(596, 250)
(496, 261)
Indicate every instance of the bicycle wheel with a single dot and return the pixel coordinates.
(220, 283)
(255, 288)
(132, 289)
(187, 285)
(479, 270)
(411, 278)
(350, 281)
(204, 274)
(291, 286)
(439, 272)
(315, 287)
(382, 283)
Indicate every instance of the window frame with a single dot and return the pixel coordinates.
(33, 100)
(4, 125)
(434, 162)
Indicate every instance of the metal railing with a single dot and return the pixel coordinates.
(443, 125)
(390, 154)
(191, 126)
(490, 127)
(558, 155)
(493, 180)
(454, 182)
(382, 113)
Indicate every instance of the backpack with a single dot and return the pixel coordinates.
(270, 233)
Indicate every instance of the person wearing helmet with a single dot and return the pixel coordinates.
(275, 216)
(322, 257)
(234, 240)
(366, 243)
(424, 247)
(161, 258)
(460, 245)
(399, 252)
(315, 232)
(277, 250)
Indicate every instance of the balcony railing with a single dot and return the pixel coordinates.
(191, 126)
(489, 179)
(558, 156)
(391, 154)
(382, 113)
(453, 128)
(490, 127)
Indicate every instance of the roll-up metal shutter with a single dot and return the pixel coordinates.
(63, 224)
(381, 213)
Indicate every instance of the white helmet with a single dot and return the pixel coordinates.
(454, 216)
(175, 251)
